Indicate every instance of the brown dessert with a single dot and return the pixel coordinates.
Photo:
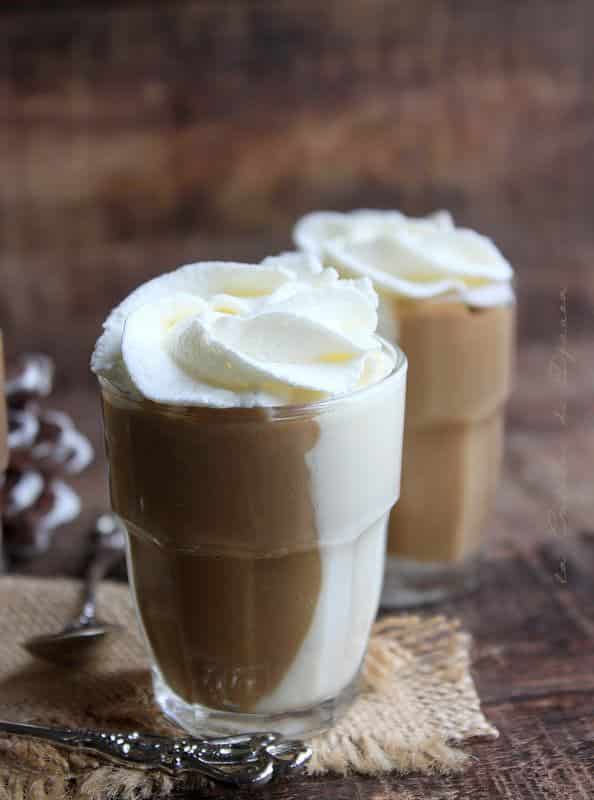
(245, 531)
(459, 380)
(253, 423)
(211, 507)
(446, 298)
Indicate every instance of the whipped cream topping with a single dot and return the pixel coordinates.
(416, 258)
(226, 334)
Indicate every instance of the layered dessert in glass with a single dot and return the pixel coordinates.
(253, 424)
(446, 298)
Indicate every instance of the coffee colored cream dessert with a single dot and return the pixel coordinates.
(446, 298)
(253, 425)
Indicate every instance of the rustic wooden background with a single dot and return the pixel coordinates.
(135, 136)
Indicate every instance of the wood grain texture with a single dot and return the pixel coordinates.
(135, 136)
(129, 121)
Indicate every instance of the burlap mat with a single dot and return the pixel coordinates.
(418, 703)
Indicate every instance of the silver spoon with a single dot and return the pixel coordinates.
(251, 759)
(86, 630)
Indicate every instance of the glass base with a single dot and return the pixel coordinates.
(199, 720)
(414, 583)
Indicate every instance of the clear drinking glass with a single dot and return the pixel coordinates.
(256, 549)
(459, 379)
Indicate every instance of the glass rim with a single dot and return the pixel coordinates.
(281, 411)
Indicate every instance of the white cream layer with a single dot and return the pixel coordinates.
(416, 258)
(359, 450)
(226, 334)
(332, 652)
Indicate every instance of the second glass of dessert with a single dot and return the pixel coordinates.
(446, 299)
(253, 424)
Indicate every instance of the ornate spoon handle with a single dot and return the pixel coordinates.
(250, 759)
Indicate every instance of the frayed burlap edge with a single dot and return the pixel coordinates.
(417, 706)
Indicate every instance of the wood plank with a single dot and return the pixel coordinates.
(137, 136)
(192, 116)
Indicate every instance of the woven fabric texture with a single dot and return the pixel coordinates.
(417, 706)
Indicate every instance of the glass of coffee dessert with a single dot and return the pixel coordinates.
(253, 424)
(446, 298)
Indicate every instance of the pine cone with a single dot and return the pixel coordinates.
(44, 446)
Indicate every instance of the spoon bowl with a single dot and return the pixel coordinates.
(71, 645)
(86, 631)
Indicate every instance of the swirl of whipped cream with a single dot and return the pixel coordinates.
(417, 258)
(226, 334)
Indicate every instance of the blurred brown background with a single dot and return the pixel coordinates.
(138, 135)
(135, 136)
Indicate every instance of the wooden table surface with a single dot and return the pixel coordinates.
(140, 135)
(533, 617)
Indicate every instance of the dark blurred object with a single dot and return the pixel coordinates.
(3, 442)
(44, 447)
